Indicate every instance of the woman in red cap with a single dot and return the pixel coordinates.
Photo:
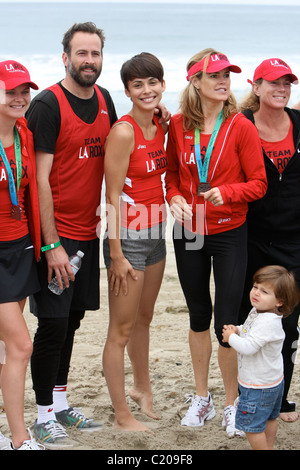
(208, 187)
(273, 221)
(19, 245)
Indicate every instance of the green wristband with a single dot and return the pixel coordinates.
(51, 246)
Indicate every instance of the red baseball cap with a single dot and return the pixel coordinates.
(272, 69)
(216, 62)
(13, 74)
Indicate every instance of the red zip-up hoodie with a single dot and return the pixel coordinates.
(236, 168)
(32, 200)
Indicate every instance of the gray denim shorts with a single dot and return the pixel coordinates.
(140, 247)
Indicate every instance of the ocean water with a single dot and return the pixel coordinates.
(32, 33)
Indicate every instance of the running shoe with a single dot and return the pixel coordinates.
(29, 444)
(74, 417)
(200, 410)
(52, 435)
(4, 442)
(229, 422)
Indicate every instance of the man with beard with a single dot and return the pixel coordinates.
(70, 122)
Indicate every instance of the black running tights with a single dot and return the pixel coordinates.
(52, 351)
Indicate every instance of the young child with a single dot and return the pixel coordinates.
(259, 342)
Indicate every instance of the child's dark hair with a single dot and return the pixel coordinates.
(283, 284)
(142, 65)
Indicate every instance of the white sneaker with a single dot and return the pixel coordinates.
(29, 444)
(229, 422)
(4, 442)
(201, 409)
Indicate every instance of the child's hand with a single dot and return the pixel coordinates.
(227, 331)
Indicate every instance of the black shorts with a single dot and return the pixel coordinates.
(18, 270)
(227, 253)
(83, 293)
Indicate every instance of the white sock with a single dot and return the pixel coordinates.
(60, 398)
(45, 414)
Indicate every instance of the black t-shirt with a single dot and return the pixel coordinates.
(44, 121)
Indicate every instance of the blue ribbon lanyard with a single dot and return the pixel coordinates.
(203, 167)
(11, 182)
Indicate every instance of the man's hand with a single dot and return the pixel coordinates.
(58, 261)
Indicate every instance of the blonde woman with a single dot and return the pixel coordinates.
(215, 167)
(273, 222)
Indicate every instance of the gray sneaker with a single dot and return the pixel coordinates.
(52, 435)
(74, 417)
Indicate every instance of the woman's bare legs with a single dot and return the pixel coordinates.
(123, 312)
(18, 345)
(126, 327)
(138, 345)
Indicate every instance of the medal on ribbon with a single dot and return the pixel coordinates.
(16, 210)
(203, 167)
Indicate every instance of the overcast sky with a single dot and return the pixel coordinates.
(241, 2)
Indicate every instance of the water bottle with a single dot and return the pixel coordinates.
(75, 261)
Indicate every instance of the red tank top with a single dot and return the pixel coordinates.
(11, 229)
(77, 171)
(142, 204)
(280, 152)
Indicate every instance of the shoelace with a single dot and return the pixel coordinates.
(56, 429)
(2, 438)
(196, 404)
(189, 397)
(78, 414)
(31, 444)
(229, 416)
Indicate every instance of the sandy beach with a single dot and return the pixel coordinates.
(171, 375)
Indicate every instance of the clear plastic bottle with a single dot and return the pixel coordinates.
(75, 261)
